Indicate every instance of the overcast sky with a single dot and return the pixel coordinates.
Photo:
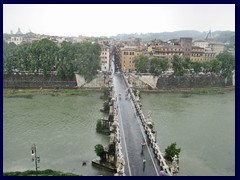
(108, 20)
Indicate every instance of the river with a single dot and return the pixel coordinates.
(203, 126)
(63, 129)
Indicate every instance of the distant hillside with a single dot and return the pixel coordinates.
(224, 36)
(221, 36)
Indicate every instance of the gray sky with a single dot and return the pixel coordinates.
(107, 20)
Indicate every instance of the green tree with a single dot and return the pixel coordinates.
(178, 65)
(197, 66)
(141, 63)
(187, 63)
(66, 57)
(87, 59)
(158, 65)
(44, 55)
(227, 63)
(99, 151)
(171, 151)
(99, 126)
(215, 66)
(207, 66)
(10, 58)
(48, 51)
(24, 57)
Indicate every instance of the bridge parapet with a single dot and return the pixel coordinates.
(120, 162)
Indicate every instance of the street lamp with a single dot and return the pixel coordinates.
(34, 156)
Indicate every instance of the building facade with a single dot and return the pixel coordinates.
(16, 39)
(186, 44)
(197, 53)
(217, 47)
(128, 53)
(201, 43)
(105, 58)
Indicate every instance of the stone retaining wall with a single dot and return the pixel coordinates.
(172, 82)
(36, 81)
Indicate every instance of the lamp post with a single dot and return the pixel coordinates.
(35, 157)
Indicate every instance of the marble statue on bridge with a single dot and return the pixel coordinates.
(149, 119)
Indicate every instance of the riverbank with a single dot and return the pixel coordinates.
(8, 92)
(47, 172)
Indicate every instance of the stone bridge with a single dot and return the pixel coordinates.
(131, 134)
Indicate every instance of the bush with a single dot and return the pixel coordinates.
(106, 107)
(99, 150)
(99, 126)
(171, 151)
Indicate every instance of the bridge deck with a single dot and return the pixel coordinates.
(132, 135)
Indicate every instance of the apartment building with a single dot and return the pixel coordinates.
(167, 51)
(105, 58)
(197, 53)
(186, 44)
(127, 55)
(200, 43)
(217, 47)
(16, 39)
(209, 54)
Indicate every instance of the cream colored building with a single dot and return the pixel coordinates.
(128, 53)
(167, 51)
(209, 55)
(105, 58)
(202, 54)
(16, 39)
(197, 53)
(200, 43)
(217, 47)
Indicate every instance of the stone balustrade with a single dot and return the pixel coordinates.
(120, 162)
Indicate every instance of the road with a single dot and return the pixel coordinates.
(132, 135)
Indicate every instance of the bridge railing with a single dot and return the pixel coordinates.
(148, 130)
(120, 162)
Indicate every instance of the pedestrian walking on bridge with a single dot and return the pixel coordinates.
(144, 164)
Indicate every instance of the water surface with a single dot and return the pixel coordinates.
(62, 127)
(202, 125)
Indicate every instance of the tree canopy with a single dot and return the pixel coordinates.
(99, 150)
(46, 56)
(171, 151)
(227, 63)
(178, 65)
(141, 63)
(158, 65)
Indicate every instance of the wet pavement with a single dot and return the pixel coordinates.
(132, 135)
